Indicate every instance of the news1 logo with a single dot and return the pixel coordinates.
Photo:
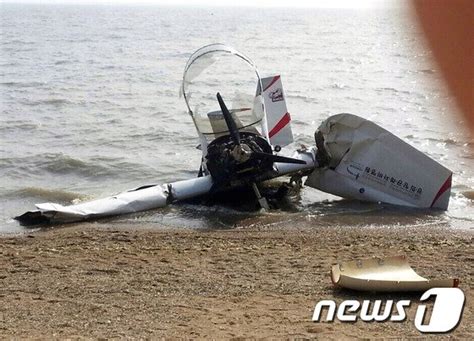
(445, 316)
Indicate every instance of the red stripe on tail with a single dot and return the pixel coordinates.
(444, 188)
(272, 82)
(280, 125)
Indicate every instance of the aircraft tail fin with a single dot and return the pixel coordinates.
(278, 118)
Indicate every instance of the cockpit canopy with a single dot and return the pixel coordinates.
(219, 68)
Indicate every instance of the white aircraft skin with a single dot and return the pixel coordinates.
(354, 158)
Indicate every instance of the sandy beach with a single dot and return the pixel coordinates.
(109, 281)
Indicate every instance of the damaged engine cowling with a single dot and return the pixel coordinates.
(229, 162)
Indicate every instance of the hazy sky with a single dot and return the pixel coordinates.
(259, 3)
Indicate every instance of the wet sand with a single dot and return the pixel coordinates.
(110, 281)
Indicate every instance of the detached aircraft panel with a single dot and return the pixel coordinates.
(384, 274)
(366, 162)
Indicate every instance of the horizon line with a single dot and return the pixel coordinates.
(370, 4)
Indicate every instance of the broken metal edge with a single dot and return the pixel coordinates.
(349, 280)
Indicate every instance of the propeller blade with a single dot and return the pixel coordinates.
(277, 158)
(229, 121)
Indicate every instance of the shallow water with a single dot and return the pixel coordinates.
(90, 105)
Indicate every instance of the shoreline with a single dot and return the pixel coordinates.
(111, 280)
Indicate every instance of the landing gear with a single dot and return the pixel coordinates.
(261, 200)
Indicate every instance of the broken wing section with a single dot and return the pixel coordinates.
(363, 161)
(135, 200)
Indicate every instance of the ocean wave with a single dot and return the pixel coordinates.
(107, 67)
(16, 50)
(45, 194)
(447, 141)
(340, 86)
(352, 98)
(306, 99)
(116, 36)
(9, 63)
(297, 122)
(18, 42)
(390, 89)
(19, 126)
(22, 84)
(64, 62)
(64, 164)
(65, 169)
(122, 28)
(385, 108)
(429, 71)
(50, 101)
(54, 164)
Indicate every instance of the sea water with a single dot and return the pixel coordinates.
(90, 106)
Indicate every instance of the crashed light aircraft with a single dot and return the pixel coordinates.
(241, 139)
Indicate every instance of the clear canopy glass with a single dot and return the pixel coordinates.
(219, 68)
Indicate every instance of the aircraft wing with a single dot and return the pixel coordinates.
(144, 198)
